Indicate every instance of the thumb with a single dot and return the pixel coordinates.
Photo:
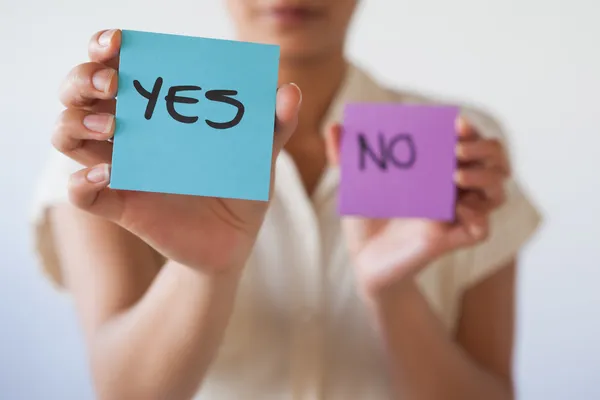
(333, 141)
(88, 190)
(287, 107)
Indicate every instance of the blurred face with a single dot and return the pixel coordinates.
(303, 28)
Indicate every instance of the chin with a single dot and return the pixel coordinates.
(300, 51)
(295, 44)
(300, 47)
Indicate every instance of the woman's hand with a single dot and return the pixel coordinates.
(386, 252)
(200, 232)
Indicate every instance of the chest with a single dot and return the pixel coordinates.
(307, 151)
(299, 329)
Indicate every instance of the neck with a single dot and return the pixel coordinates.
(319, 79)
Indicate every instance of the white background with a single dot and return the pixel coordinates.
(534, 63)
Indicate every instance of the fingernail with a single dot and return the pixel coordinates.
(459, 151)
(457, 176)
(459, 124)
(105, 37)
(101, 79)
(98, 174)
(101, 123)
(476, 231)
(299, 90)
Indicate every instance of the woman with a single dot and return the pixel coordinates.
(227, 299)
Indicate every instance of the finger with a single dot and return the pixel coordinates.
(478, 177)
(471, 227)
(88, 190)
(87, 83)
(464, 129)
(82, 136)
(474, 199)
(333, 140)
(483, 201)
(103, 107)
(104, 47)
(287, 107)
(495, 196)
(489, 152)
(474, 223)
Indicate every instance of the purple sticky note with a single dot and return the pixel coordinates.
(398, 161)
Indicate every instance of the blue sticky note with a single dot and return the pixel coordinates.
(195, 116)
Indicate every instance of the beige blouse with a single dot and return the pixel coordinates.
(299, 330)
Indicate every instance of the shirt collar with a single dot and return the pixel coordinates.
(358, 86)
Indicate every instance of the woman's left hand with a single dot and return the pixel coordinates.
(388, 251)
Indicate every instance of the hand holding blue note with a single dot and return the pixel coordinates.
(194, 144)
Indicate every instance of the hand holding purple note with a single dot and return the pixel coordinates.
(398, 161)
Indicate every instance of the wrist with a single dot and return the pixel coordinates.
(205, 276)
(391, 304)
(395, 284)
(383, 267)
(396, 293)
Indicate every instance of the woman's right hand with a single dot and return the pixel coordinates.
(206, 233)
